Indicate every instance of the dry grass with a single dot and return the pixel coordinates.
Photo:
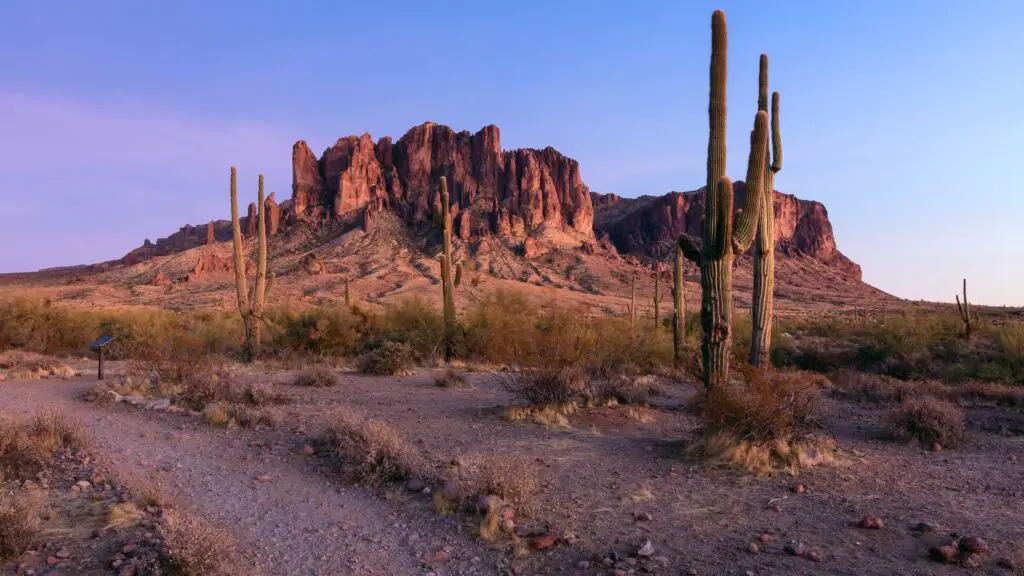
(547, 415)
(623, 388)
(124, 515)
(928, 420)
(26, 365)
(449, 378)
(230, 415)
(20, 522)
(196, 548)
(389, 358)
(205, 387)
(371, 452)
(25, 449)
(316, 376)
(261, 394)
(763, 421)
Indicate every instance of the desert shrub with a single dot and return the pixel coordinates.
(449, 378)
(1000, 394)
(388, 358)
(544, 386)
(54, 429)
(499, 328)
(197, 548)
(628, 388)
(42, 327)
(879, 389)
(928, 420)
(316, 376)
(251, 417)
(206, 386)
(334, 331)
(415, 323)
(512, 478)
(20, 522)
(25, 365)
(261, 394)
(217, 414)
(763, 406)
(763, 421)
(20, 455)
(370, 451)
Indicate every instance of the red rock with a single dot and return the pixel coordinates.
(753, 548)
(799, 488)
(308, 450)
(160, 279)
(63, 554)
(871, 522)
(543, 542)
(944, 554)
(802, 227)
(971, 560)
(210, 236)
(272, 214)
(211, 266)
(307, 185)
(973, 544)
(51, 560)
(250, 222)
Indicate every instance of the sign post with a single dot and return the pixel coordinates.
(98, 345)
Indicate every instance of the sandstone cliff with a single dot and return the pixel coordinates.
(506, 193)
(650, 224)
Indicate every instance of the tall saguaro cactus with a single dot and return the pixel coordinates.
(722, 241)
(448, 280)
(250, 301)
(679, 310)
(965, 312)
(764, 244)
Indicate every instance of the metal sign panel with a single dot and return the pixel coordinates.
(101, 342)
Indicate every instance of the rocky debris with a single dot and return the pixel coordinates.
(647, 549)
(415, 485)
(925, 527)
(973, 544)
(794, 549)
(871, 522)
(643, 517)
(765, 538)
(966, 551)
(161, 279)
(799, 488)
(312, 264)
(753, 549)
(543, 542)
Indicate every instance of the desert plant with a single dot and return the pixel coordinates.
(928, 420)
(250, 301)
(512, 478)
(632, 303)
(721, 241)
(370, 451)
(449, 378)
(316, 376)
(448, 281)
(965, 312)
(388, 358)
(658, 269)
(197, 548)
(678, 310)
(545, 386)
(764, 243)
(20, 522)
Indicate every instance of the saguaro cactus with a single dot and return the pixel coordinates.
(657, 293)
(721, 240)
(764, 244)
(679, 310)
(448, 280)
(250, 301)
(965, 312)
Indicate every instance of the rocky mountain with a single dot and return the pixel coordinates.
(650, 224)
(522, 196)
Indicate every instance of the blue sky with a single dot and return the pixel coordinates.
(118, 120)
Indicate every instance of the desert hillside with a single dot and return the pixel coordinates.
(363, 215)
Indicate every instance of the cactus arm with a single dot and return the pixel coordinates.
(747, 221)
(261, 257)
(776, 136)
(458, 274)
(690, 249)
(236, 241)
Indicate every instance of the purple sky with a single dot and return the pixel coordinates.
(119, 120)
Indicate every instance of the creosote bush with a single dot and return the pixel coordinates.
(880, 389)
(20, 522)
(316, 376)
(26, 448)
(928, 420)
(197, 548)
(763, 421)
(389, 358)
(512, 478)
(545, 386)
(371, 452)
(449, 378)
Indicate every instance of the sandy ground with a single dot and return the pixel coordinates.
(613, 479)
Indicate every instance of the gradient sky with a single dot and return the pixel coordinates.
(118, 120)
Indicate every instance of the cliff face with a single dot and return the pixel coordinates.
(652, 223)
(507, 193)
(513, 193)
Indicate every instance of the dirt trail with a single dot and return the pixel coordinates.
(297, 523)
